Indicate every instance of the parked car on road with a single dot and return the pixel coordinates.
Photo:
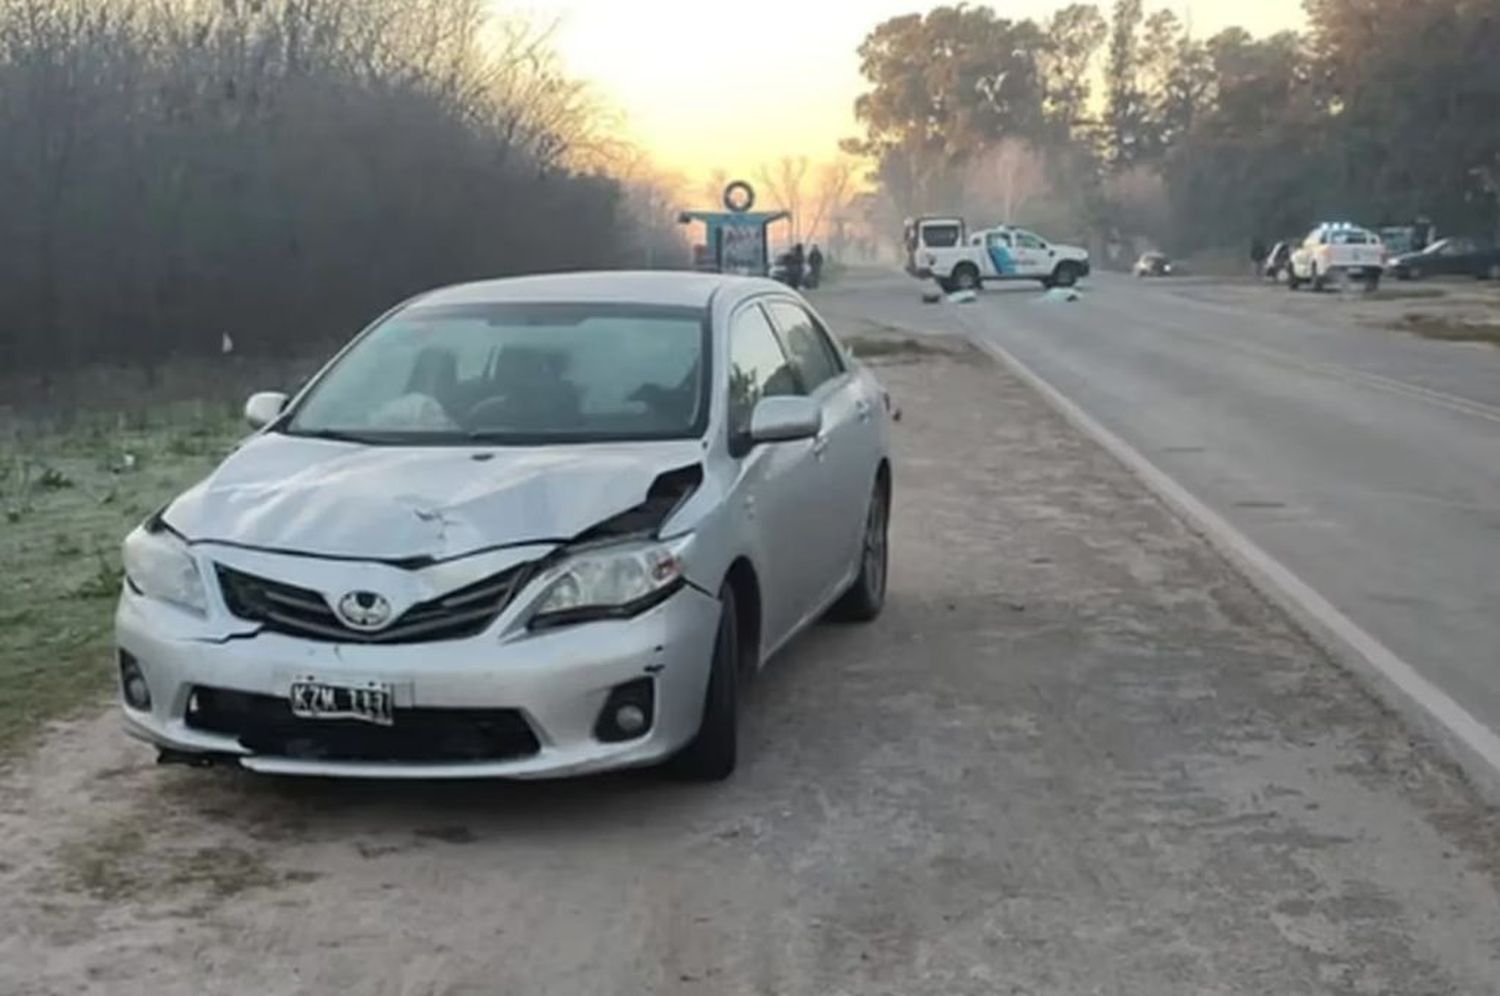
(1153, 264)
(519, 528)
(1336, 251)
(1456, 256)
(941, 249)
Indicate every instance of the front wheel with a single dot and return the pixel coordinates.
(866, 597)
(965, 278)
(711, 755)
(1066, 275)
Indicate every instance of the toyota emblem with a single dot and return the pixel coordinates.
(365, 611)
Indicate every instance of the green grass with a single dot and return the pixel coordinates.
(1451, 329)
(68, 496)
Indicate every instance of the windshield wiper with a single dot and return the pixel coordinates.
(337, 435)
(498, 437)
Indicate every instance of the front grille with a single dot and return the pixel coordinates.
(265, 725)
(296, 611)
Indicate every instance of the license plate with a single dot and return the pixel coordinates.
(368, 703)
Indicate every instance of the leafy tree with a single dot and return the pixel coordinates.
(944, 86)
(1073, 37)
(1127, 113)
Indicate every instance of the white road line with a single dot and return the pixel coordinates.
(1349, 375)
(1474, 745)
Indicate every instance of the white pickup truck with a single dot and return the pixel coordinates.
(1334, 251)
(940, 248)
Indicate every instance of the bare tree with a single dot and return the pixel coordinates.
(785, 186)
(178, 170)
(830, 199)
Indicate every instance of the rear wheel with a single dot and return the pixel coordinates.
(711, 755)
(866, 597)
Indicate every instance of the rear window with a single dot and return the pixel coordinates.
(941, 235)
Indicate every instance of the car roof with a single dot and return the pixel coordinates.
(671, 288)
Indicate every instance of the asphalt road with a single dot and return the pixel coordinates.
(1077, 755)
(1365, 460)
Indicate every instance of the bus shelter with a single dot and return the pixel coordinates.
(735, 239)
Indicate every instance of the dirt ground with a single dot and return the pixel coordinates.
(1076, 755)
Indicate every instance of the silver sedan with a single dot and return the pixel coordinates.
(520, 528)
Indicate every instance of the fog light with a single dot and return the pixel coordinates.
(628, 712)
(133, 683)
(630, 719)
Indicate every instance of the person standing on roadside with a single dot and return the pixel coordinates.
(796, 262)
(814, 266)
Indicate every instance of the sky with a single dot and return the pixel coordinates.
(707, 83)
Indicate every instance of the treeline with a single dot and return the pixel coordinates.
(1381, 111)
(276, 171)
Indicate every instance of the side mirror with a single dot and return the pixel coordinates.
(783, 419)
(263, 408)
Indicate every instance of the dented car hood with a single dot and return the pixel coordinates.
(328, 498)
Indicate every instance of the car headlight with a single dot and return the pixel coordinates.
(158, 565)
(610, 582)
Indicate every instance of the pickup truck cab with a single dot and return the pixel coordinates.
(941, 248)
(1336, 250)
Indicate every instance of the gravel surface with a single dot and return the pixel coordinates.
(1076, 755)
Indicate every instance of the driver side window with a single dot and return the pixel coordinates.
(757, 367)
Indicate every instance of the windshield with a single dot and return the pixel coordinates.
(516, 373)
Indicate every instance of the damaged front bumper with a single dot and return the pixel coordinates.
(508, 702)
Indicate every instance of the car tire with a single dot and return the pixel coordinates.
(965, 277)
(945, 285)
(713, 752)
(866, 596)
(1372, 283)
(1292, 280)
(1414, 273)
(1066, 275)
